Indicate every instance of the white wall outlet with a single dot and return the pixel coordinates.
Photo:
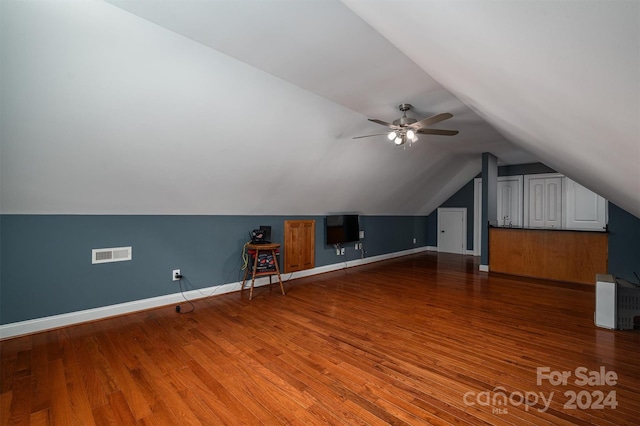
(337, 252)
(414, 241)
(356, 246)
(361, 234)
(175, 274)
(342, 251)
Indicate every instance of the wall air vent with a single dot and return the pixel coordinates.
(114, 254)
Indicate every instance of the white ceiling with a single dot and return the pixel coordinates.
(325, 48)
(202, 104)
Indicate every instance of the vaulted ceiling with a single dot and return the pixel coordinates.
(250, 107)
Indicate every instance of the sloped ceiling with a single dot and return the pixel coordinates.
(559, 78)
(249, 107)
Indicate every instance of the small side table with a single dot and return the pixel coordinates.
(254, 273)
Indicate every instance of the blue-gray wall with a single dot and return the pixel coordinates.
(624, 243)
(46, 259)
(524, 169)
(489, 202)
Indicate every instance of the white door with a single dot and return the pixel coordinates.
(553, 201)
(545, 202)
(584, 208)
(509, 201)
(452, 230)
(536, 203)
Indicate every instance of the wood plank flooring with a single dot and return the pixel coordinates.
(422, 339)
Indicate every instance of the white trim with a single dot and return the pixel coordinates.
(467, 253)
(483, 268)
(56, 321)
(477, 216)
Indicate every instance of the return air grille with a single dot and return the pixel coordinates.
(114, 254)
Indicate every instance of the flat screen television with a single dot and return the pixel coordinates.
(343, 228)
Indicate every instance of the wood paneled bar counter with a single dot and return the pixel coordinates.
(555, 254)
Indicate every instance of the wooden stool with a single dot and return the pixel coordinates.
(254, 273)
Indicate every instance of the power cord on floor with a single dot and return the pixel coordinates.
(178, 308)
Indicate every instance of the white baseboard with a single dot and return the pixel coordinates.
(56, 321)
(484, 268)
(467, 252)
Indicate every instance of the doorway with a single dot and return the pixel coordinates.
(452, 230)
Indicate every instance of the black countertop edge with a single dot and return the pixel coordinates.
(524, 228)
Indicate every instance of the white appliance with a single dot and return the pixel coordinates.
(605, 315)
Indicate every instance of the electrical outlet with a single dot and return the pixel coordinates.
(337, 252)
(361, 234)
(175, 274)
(414, 241)
(342, 251)
(356, 246)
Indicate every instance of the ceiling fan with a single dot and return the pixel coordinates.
(405, 129)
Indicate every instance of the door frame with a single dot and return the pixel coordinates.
(477, 216)
(463, 210)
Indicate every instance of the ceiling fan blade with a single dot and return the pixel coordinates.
(368, 136)
(432, 120)
(391, 126)
(440, 132)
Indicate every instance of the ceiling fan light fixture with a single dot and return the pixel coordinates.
(406, 129)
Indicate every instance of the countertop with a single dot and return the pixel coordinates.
(524, 228)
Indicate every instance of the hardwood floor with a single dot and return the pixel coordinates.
(423, 339)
